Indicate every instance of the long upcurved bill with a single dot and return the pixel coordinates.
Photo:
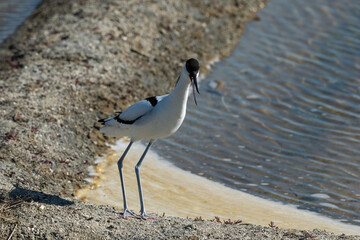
(194, 82)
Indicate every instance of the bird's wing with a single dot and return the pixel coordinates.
(140, 108)
(160, 98)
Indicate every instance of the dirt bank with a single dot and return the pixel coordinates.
(73, 62)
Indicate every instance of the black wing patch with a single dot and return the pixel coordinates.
(153, 101)
(119, 120)
(102, 121)
(126, 121)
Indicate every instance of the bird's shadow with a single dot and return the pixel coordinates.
(31, 195)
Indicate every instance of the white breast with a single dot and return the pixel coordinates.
(164, 119)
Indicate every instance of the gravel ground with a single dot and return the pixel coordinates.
(73, 62)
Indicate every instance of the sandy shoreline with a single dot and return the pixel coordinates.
(72, 62)
(184, 194)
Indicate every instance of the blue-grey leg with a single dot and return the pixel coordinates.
(127, 212)
(137, 171)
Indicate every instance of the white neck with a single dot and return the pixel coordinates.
(179, 95)
(182, 85)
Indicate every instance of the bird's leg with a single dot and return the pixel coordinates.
(137, 171)
(127, 212)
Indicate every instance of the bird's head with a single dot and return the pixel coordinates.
(192, 67)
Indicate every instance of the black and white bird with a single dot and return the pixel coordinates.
(150, 119)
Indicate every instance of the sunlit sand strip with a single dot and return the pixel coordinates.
(175, 192)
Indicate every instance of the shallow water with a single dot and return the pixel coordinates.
(286, 124)
(13, 13)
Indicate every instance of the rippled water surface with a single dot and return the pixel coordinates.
(286, 124)
(13, 13)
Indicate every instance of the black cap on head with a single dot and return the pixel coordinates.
(192, 65)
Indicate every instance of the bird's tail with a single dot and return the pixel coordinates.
(103, 121)
(112, 128)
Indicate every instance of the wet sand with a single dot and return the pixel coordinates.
(175, 192)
